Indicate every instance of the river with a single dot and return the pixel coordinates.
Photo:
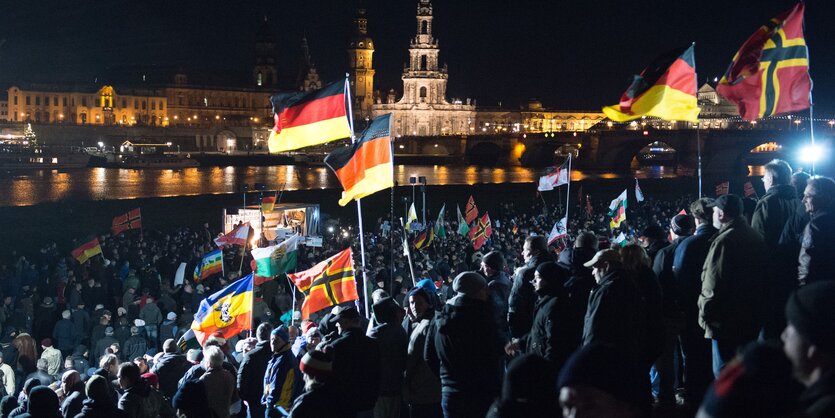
(92, 184)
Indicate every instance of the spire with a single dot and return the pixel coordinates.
(305, 51)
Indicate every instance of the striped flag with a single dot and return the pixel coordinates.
(211, 264)
(228, 311)
(124, 222)
(639, 195)
(237, 236)
(327, 284)
(303, 119)
(87, 250)
(268, 203)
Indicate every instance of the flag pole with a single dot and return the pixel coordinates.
(699, 155)
(408, 253)
(292, 289)
(568, 189)
(359, 201)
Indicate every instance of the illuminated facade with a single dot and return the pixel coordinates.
(361, 68)
(423, 110)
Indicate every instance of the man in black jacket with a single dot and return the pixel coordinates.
(498, 284)
(170, 368)
(393, 343)
(74, 393)
(458, 348)
(251, 372)
(522, 296)
(818, 245)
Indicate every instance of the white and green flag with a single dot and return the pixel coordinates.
(463, 228)
(440, 230)
(277, 259)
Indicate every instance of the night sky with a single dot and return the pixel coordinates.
(569, 55)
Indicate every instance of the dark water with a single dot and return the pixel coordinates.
(95, 184)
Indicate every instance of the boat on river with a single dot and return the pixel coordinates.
(165, 161)
(19, 156)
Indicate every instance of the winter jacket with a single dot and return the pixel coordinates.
(170, 368)
(356, 368)
(54, 361)
(151, 314)
(220, 390)
(135, 346)
(818, 400)
(730, 303)
(64, 335)
(250, 374)
(95, 409)
(142, 401)
(458, 348)
(817, 250)
(81, 323)
(320, 401)
(74, 401)
(169, 329)
(556, 330)
(522, 297)
(773, 211)
(688, 263)
(500, 287)
(283, 381)
(101, 347)
(8, 378)
(663, 269)
(615, 313)
(393, 345)
(420, 385)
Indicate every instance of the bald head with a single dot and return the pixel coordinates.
(69, 379)
(170, 346)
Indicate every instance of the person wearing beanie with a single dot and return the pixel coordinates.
(498, 284)
(653, 239)
(522, 296)
(756, 383)
(356, 361)
(253, 367)
(64, 334)
(102, 344)
(809, 343)
(529, 389)
(170, 368)
(169, 329)
(733, 290)
(7, 405)
(135, 346)
(557, 329)
(52, 356)
(282, 379)
(421, 387)
(463, 349)
(392, 342)
(42, 403)
(98, 403)
(320, 391)
(681, 227)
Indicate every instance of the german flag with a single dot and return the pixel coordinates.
(665, 89)
(769, 75)
(303, 119)
(268, 204)
(470, 211)
(87, 250)
(130, 220)
(481, 232)
(367, 166)
(229, 311)
(424, 240)
(327, 284)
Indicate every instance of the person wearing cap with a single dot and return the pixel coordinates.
(681, 227)
(809, 343)
(52, 356)
(557, 328)
(614, 314)
(522, 296)
(653, 239)
(421, 387)
(393, 345)
(103, 343)
(320, 396)
(253, 367)
(356, 361)
(64, 334)
(282, 380)
(733, 285)
(463, 348)
(688, 262)
(816, 261)
(170, 368)
(169, 329)
(493, 265)
(44, 319)
(135, 346)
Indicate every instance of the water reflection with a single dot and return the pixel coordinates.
(34, 187)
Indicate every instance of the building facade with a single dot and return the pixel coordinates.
(361, 67)
(423, 110)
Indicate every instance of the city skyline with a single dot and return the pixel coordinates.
(496, 51)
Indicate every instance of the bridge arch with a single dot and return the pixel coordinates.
(484, 153)
(435, 148)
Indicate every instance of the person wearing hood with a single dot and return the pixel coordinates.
(421, 387)
(458, 349)
(42, 403)
(393, 343)
(98, 403)
(74, 396)
(139, 399)
(556, 330)
(493, 265)
(7, 405)
(64, 334)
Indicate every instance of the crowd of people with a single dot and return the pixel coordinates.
(725, 310)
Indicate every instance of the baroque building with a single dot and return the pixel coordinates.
(360, 67)
(423, 110)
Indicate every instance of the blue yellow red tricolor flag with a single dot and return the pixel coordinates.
(229, 311)
(367, 166)
(666, 89)
(327, 284)
(303, 119)
(769, 75)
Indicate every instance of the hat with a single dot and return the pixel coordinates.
(552, 273)
(47, 301)
(343, 312)
(171, 316)
(494, 260)
(468, 283)
(138, 322)
(281, 332)
(46, 342)
(683, 225)
(121, 311)
(609, 369)
(97, 388)
(608, 255)
(810, 309)
(385, 310)
(316, 363)
(731, 204)
(66, 314)
(654, 232)
(756, 384)
(108, 331)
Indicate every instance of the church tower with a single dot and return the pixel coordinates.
(423, 81)
(264, 73)
(361, 71)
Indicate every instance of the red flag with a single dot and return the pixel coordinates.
(471, 211)
(327, 284)
(722, 188)
(237, 236)
(481, 232)
(130, 220)
(682, 212)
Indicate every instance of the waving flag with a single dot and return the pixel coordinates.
(277, 259)
(268, 203)
(229, 311)
(424, 240)
(769, 75)
(463, 226)
(639, 195)
(481, 232)
(722, 188)
(237, 236)
(666, 89)
(617, 210)
(130, 220)
(367, 166)
(614, 204)
(440, 230)
(303, 119)
(558, 231)
(553, 178)
(327, 284)
(212, 263)
(470, 211)
(412, 217)
(87, 250)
